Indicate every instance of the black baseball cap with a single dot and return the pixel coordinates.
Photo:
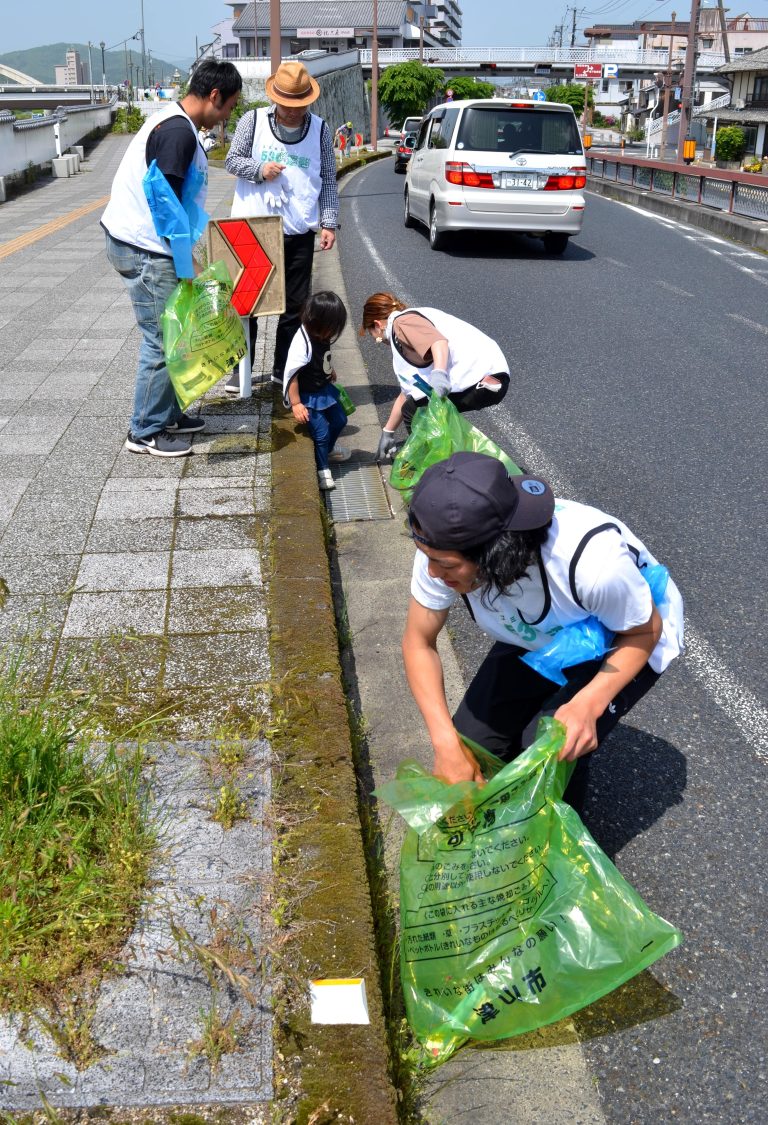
(471, 498)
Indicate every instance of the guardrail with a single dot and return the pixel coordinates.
(737, 193)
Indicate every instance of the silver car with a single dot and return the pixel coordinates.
(498, 164)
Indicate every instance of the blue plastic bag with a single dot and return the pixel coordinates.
(588, 639)
(182, 222)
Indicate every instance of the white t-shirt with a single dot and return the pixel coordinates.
(608, 583)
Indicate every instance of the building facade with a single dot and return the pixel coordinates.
(342, 25)
(72, 73)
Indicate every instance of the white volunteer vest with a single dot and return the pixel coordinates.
(299, 182)
(535, 608)
(471, 354)
(127, 216)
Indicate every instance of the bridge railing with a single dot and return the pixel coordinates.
(737, 193)
(657, 124)
(554, 55)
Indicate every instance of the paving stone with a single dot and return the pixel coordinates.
(37, 615)
(16, 443)
(214, 502)
(220, 465)
(124, 571)
(230, 658)
(56, 537)
(138, 505)
(215, 568)
(222, 533)
(131, 535)
(45, 574)
(10, 496)
(125, 664)
(115, 613)
(211, 610)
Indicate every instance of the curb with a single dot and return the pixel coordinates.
(342, 1071)
(749, 232)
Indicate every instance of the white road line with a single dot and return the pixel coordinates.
(674, 289)
(616, 262)
(739, 704)
(366, 241)
(752, 323)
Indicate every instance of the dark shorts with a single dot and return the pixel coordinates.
(503, 704)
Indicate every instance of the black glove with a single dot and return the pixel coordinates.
(387, 445)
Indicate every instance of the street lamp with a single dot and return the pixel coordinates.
(103, 70)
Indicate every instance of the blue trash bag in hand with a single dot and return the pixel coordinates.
(182, 222)
(588, 639)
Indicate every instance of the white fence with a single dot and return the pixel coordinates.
(33, 140)
(556, 55)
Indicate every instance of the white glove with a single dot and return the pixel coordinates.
(440, 381)
(276, 198)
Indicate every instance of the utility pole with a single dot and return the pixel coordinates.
(375, 78)
(723, 30)
(421, 40)
(275, 52)
(667, 88)
(573, 29)
(689, 79)
(143, 53)
(103, 70)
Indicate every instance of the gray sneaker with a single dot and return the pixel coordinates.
(161, 444)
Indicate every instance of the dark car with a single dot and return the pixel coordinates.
(403, 152)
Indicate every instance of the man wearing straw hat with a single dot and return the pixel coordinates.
(284, 162)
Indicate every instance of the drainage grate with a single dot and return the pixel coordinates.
(359, 494)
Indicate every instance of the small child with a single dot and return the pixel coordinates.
(309, 377)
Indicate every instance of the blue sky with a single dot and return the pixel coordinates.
(172, 25)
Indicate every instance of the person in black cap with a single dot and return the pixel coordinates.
(527, 565)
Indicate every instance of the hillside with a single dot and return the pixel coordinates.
(39, 62)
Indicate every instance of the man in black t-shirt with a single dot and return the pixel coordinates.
(143, 258)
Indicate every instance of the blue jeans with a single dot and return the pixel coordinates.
(150, 280)
(325, 426)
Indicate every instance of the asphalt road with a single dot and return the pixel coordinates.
(639, 385)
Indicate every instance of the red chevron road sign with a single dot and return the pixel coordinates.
(256, 267)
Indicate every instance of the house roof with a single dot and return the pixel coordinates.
(739, 116)
(755, 60)
(322, 13)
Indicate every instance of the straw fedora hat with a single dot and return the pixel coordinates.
(292, 85)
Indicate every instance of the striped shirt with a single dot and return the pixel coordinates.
(240, 160)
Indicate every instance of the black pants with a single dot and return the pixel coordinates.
(473, 398)
(503, 704)
(298, 253)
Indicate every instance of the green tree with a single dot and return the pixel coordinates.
(468, 88)
(406, 89)
(730, 143)
(572, 93)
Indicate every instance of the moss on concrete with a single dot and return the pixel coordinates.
(344, 1070)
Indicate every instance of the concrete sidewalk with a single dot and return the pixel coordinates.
(151, 578)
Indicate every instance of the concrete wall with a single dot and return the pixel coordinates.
(343, 95)
(33, 142)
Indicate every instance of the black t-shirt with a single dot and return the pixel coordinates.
(173, 145)
(314, 375)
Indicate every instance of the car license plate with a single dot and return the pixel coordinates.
(526, 180)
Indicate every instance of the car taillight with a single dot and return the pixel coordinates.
(571, 180)
(464, 175)
(402, 148)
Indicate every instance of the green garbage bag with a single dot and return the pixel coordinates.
(511, 917)
(203, 336)
(439, 430)
(345, 400)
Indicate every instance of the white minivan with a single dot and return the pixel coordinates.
(498, 164)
